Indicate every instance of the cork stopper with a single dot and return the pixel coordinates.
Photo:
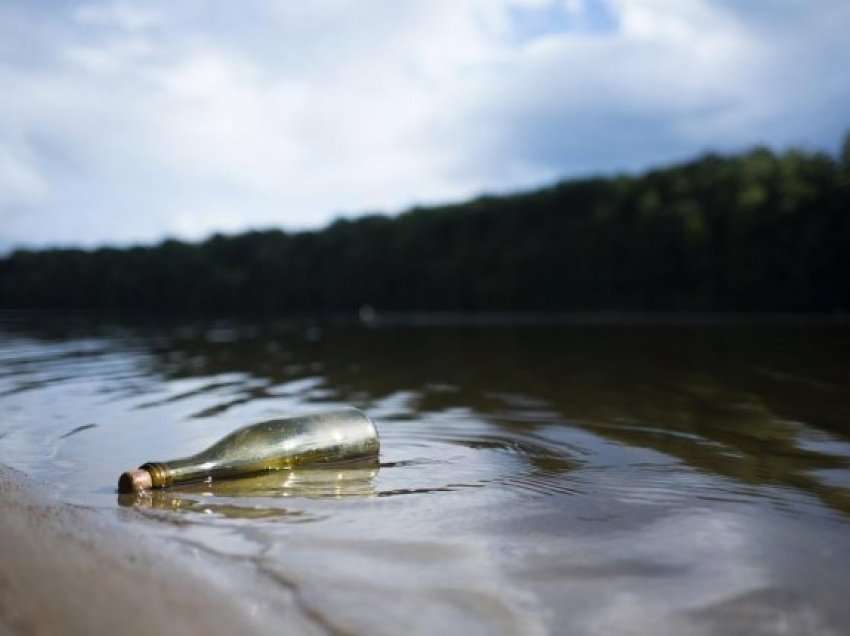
(134, 481)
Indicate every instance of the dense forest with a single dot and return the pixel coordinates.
(755, 232)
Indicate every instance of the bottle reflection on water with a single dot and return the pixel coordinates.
(346, 435)
(239, 498)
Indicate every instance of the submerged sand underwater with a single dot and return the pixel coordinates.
(66, 570)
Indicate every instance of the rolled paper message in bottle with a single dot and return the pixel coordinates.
(338, 436)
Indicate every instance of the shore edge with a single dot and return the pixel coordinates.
(64, 570)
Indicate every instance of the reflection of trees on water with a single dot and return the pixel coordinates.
(739, 401)
(730, 400)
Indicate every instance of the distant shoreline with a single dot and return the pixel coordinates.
(752, 232)
(379, 318)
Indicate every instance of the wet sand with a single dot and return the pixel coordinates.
(65, 570)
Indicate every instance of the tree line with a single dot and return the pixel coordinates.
(758, 231)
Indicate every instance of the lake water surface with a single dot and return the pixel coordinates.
(549, 477)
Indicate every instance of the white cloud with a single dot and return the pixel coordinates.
(134, 121)
(126, 16)
(20, 182)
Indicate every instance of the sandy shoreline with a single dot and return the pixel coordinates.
(64, 570)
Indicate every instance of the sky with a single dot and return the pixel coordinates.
(127, 122)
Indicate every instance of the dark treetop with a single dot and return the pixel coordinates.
(755, 232)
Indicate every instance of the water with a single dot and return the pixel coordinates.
(551, 477)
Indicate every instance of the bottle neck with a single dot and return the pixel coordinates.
(160, 475)
(164, 474)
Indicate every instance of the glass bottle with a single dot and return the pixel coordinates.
(338, 436)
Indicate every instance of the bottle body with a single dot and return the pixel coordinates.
(337, 436)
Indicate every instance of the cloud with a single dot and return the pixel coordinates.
(19, 180)
(121, 15)
(123, 122)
